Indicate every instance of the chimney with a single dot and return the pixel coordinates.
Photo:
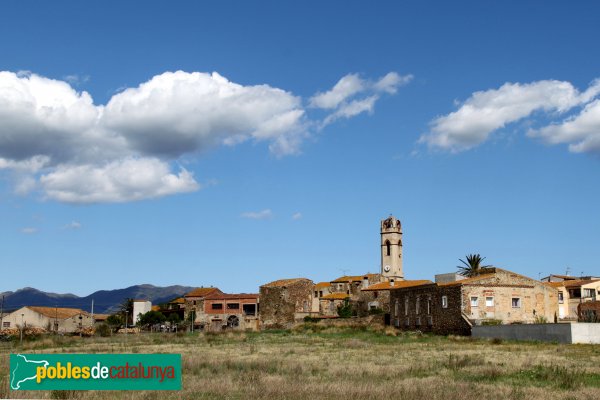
(365, 282)
(392, 282)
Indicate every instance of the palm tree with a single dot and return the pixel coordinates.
(472, 267)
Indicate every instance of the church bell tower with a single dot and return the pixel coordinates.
(391, 249)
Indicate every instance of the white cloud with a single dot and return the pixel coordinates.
(581, 132)
(297, 216)
(264, 214)
(341, 98)
(391, 81)
(119, 181)
(179, 112)
(29, 230)
(352, 109)
(55, 138)
(346, 87)
(486, 111)
(73, 225)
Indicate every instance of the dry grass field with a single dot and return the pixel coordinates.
(343, 363)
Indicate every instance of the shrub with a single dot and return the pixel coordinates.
(103, 330)
(345, 310)
(540, 319)
(309, 319)
(491, 321)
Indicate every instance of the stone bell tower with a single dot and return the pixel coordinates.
(391, 249)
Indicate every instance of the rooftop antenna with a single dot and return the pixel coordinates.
(344, 271)
(567, 271)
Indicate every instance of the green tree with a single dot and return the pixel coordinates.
(152, 318)
(345, 310)
(472, 267)
(114, 321)
(174, 318)
(126, 308)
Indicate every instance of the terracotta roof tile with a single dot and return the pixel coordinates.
(353, 278)
(397, 285)
(236, 296)
(57, 312)
(322, 285)
(201, 292)
(572, 283)
(336, 296)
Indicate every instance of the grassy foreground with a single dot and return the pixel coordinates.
(342, 363)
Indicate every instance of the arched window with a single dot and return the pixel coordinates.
(387, 247)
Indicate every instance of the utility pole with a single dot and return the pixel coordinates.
(2, 313)
(92, 312)
(56, 319)
(22, 315)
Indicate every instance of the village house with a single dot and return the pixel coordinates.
(194, 304)
(140, 307)
(377, 297)
(573, 292)
(319, 290)
(285, 302)
(496, 295)
(230, 311)
(52, 319)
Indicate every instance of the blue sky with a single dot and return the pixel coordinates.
(289, 131)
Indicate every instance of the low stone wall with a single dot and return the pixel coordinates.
(561, 333)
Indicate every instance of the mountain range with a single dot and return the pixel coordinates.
(105, 301)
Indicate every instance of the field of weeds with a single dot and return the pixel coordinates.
(312, 362)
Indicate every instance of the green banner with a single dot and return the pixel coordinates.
(95, 371)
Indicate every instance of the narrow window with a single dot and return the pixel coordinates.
(375, 294)
(516, 302)
(428, 304)
(560, 298)
(489, 302)
(418, 321)
(474, 301)
(396, 306)
(407, 322)
(430, 321)
(418, 305)
(316, 294)
(387, 246)
(406, 306)
(444, 301)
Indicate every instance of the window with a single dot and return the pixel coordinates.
(217, 306)
(430, 321)
(249, 309)
(6, 324)
(320, 293)
(474, 301)
(444, 301)
(406, 306)
(417, 305)
(387, 247)
(516, 302)
(233, 306)
(396, 308)
(418, 321)
(428, 304)
(407, 322)
(561, 300)
(589, 293)
(316, 294)
(375, 294)
(489, 302)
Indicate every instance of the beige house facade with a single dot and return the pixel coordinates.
(52, 319)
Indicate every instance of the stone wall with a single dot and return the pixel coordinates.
(431, 315)
(561, 333)
(282, 306)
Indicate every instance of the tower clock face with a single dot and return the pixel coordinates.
(386, 268)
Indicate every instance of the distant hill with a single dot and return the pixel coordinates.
(105, 301)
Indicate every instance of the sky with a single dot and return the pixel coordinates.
(235, 143)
